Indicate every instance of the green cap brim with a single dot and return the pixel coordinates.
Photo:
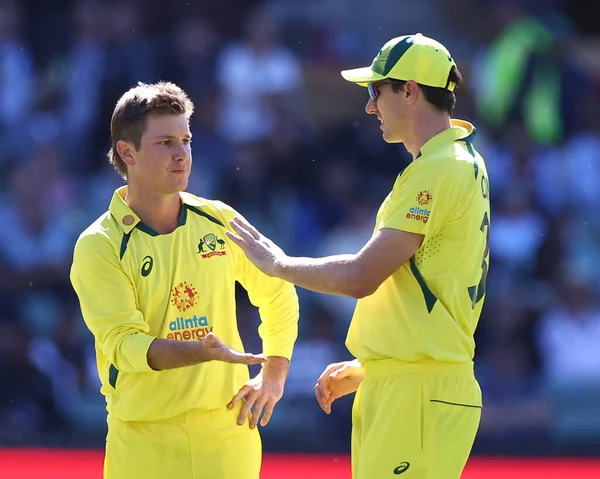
(362, 76)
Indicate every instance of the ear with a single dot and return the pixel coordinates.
(411, 92)
(125, 151)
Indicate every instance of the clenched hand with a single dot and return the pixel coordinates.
(336, 381)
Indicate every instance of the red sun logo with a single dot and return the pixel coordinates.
(184, 296)
(424, 197)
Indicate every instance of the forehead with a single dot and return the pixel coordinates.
(167, 125)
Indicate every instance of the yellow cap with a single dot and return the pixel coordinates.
(409, 57)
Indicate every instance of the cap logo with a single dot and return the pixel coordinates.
(383, 65)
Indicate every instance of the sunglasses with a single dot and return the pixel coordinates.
(373, 87)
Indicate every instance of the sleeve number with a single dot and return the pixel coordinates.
(476, 293)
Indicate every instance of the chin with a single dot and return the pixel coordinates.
(388, 138)
(178, 186)
(182, 187)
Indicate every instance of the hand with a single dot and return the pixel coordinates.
(260, 393)
(337, 380)
(214, 350)
(265, 254)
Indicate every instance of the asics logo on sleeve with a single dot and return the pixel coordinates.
(401, 468)
(147, 265)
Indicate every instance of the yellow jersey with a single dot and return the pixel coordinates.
(135, 285)
(429, 308)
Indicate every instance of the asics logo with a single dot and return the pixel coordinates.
(402, 468)
(147, 265)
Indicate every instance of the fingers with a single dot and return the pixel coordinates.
(210, 340)
(248, 227)
(235, 357)
(256, 404)
(267, 415)
(249, 359)
(241, 226)
(322, 393)
(325, 397)
(262, 406)
(246, 409)
(242, 393)
(236, 239)
(214, 349)
(256, 412)
(339, 373)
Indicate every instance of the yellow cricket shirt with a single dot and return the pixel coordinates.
(135, 285)
(429, 308)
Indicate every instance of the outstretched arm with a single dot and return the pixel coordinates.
(108, 304)
(356, 275)
(171, 354)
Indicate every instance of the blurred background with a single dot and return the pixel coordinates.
(281, 137)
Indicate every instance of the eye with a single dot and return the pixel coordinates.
(165, 142)
(187, 141)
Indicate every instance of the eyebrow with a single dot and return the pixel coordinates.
(170, 137)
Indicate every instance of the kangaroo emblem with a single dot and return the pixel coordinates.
(209, 243)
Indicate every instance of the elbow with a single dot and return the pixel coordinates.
(361, 287)
(361, 292)
(128, 352)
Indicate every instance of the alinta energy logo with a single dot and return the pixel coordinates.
(184, 297)
(421, 214)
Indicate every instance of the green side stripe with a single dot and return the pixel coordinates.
(430, 298)
(124, 242)
(206, 215)
(396, 53)
(470, 148)
(455, 404)
(113, 374)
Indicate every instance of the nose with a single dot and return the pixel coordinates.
(181, 152)
(371, 107)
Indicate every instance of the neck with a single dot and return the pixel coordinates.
(424, 127)
(159, 212)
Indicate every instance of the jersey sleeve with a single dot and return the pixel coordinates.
(276, 300)
(422, 201)
(108, 304)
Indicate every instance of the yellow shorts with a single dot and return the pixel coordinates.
(194, 445)
(413, 418)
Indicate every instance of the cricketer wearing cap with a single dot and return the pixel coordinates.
(420, 279)
(155, 276)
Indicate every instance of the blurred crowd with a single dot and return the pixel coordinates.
(281, 137)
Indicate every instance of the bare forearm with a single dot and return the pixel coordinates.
(330, 275)
(276, 368)
(171, 354)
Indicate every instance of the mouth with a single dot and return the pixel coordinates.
(179, 172)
